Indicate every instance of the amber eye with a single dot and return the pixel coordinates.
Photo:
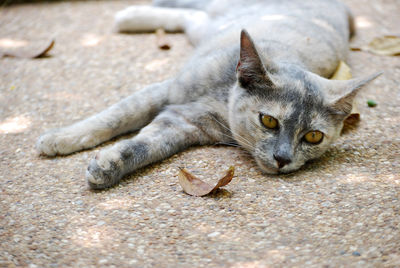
(314, 137)
(268, 121)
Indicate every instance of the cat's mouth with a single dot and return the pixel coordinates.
(269, 169)
(273, 170)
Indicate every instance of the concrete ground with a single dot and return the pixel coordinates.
(340, 211)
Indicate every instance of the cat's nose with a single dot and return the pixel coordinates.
(282, 160)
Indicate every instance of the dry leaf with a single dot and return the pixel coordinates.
(196, 187)
(162, 40)
(388, 45)
(342, 72)
(355, 49)
(33, 50)
(351, 122)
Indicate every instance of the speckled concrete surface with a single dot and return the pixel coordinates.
(340, 211)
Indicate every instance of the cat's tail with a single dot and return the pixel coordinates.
(193, 4)
(150, 18)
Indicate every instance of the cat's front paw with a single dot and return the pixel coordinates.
(104, 171)
(63, 141)
(47, 144)
(57, 142)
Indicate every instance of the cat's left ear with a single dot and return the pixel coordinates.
(250, 69)
(345, 92)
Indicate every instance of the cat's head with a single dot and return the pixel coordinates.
(283, 115)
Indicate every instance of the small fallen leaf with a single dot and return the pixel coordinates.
(351, 122)
(31, 51)
(371, 103)
(355, 49)
(196, 187)
(162, 40)
(342, 72)
(388, 45)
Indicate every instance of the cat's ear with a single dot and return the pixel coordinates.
(345, 91)
(250, 69)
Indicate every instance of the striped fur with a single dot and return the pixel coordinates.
(221, 91)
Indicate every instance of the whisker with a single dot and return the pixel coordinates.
(245, 142)
(257, 125)
(238, 136)
(244, 151)
(241, 139)
(229, 144)
(216, 120)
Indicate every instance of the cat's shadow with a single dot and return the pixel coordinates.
(220, 194)
(333, 157)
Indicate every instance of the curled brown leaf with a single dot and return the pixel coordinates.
(32, 50)
(343, 72)
(196, 187)
(388, 45)
(162, 40)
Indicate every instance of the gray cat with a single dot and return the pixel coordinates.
(264, 88)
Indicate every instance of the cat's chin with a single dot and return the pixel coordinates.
(267, 169)
(271, 170)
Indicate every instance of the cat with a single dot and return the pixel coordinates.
(258, 79)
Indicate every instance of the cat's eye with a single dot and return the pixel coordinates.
(268, 121)
(314, 137)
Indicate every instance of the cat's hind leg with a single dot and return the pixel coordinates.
(129, 114)
(175, 129)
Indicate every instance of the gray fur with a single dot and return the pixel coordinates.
(222, 90)
(194, 4)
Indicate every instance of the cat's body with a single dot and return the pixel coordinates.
(272, 98)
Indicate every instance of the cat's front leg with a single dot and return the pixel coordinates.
(76, 137)
(129, 114)
(169, 133)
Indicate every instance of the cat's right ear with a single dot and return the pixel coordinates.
(250, 69)
(346, 90)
